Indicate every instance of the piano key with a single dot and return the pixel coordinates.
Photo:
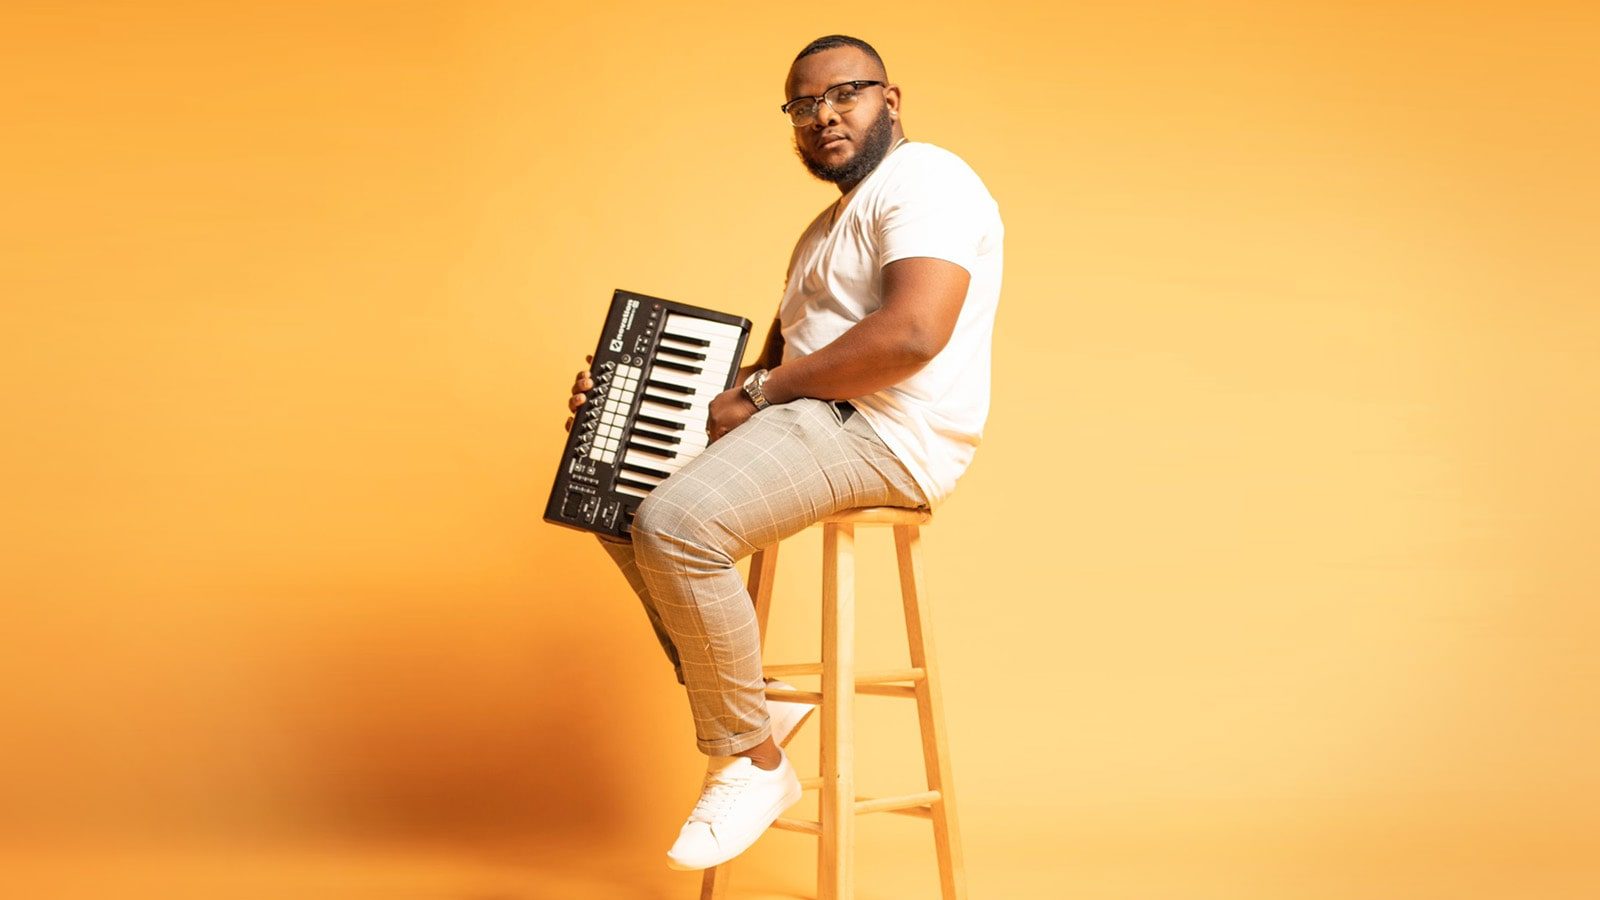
(704, 329)
(655, 462)
(653, 450)
(714, 350)
(687, 439)
(670, 387)
(678, 367)
(712, 384)
(690, 447)
(682, 338)
(715, 371)
(667, 402)
(669, 350)
(705, 342)
(715, 355)
(654, 436)
(659, 423)
(691, 420)
(645, 470)
(638, 485)
(714, 366)
(699, 340)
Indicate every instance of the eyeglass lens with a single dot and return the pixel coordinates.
(842, 98)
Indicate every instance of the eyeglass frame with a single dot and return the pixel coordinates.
(823, 98)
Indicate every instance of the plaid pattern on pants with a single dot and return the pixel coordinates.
(771, 477)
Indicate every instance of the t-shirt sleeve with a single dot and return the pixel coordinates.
(938, 209)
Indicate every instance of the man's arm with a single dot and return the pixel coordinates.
(922, 299)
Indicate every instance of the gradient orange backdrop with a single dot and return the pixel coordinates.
(1274, 576)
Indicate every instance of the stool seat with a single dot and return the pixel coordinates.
(880, 515)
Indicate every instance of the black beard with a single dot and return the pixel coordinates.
(872, 152)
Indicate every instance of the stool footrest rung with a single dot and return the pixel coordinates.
(880, 683)
(812, 697)
(804, 826)
(912, 675)
(919, 803)
(786, 670)
(887, 690)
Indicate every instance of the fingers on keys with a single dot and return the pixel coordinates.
(581, 383)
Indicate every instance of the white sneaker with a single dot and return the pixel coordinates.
(738, 802)
(786, 715)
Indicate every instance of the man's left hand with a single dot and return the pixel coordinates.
(728, 411)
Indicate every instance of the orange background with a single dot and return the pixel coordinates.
(1269, 580)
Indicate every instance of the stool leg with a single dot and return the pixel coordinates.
(763, 568)
(836, 849)
(930, 713)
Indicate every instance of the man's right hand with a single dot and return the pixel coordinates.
(579, 385)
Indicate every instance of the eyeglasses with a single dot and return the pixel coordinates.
(841, 98)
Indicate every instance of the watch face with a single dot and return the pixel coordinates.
(752, 388)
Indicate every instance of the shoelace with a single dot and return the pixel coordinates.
(717, 796)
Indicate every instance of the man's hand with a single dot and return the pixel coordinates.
(580, 385)
(728, 411)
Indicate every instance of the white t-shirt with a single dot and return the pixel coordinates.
(921, 200)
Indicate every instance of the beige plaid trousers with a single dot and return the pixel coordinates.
(782, 470)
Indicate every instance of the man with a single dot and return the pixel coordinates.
(872, 390)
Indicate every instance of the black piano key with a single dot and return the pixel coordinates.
(686, 354)
(662, 452)
(684, 339)
(640, 432)
(663, 386)
(676, 404)
(678, 367)
(645, 470)
(660, 423)
(629, 482)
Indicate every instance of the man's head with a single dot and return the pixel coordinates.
(843, 146)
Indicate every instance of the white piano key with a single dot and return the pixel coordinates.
(710, 373)
(652, 462)
(709, 383)
(693, 385)
(688, 441)
(695, 326)
(690, 419)
(712, 361)
(691, 441)
(718, 341)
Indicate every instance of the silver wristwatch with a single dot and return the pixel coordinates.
(753, 388)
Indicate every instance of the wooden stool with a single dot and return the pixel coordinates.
(839, 804)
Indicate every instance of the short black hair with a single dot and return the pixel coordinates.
(829, 42)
